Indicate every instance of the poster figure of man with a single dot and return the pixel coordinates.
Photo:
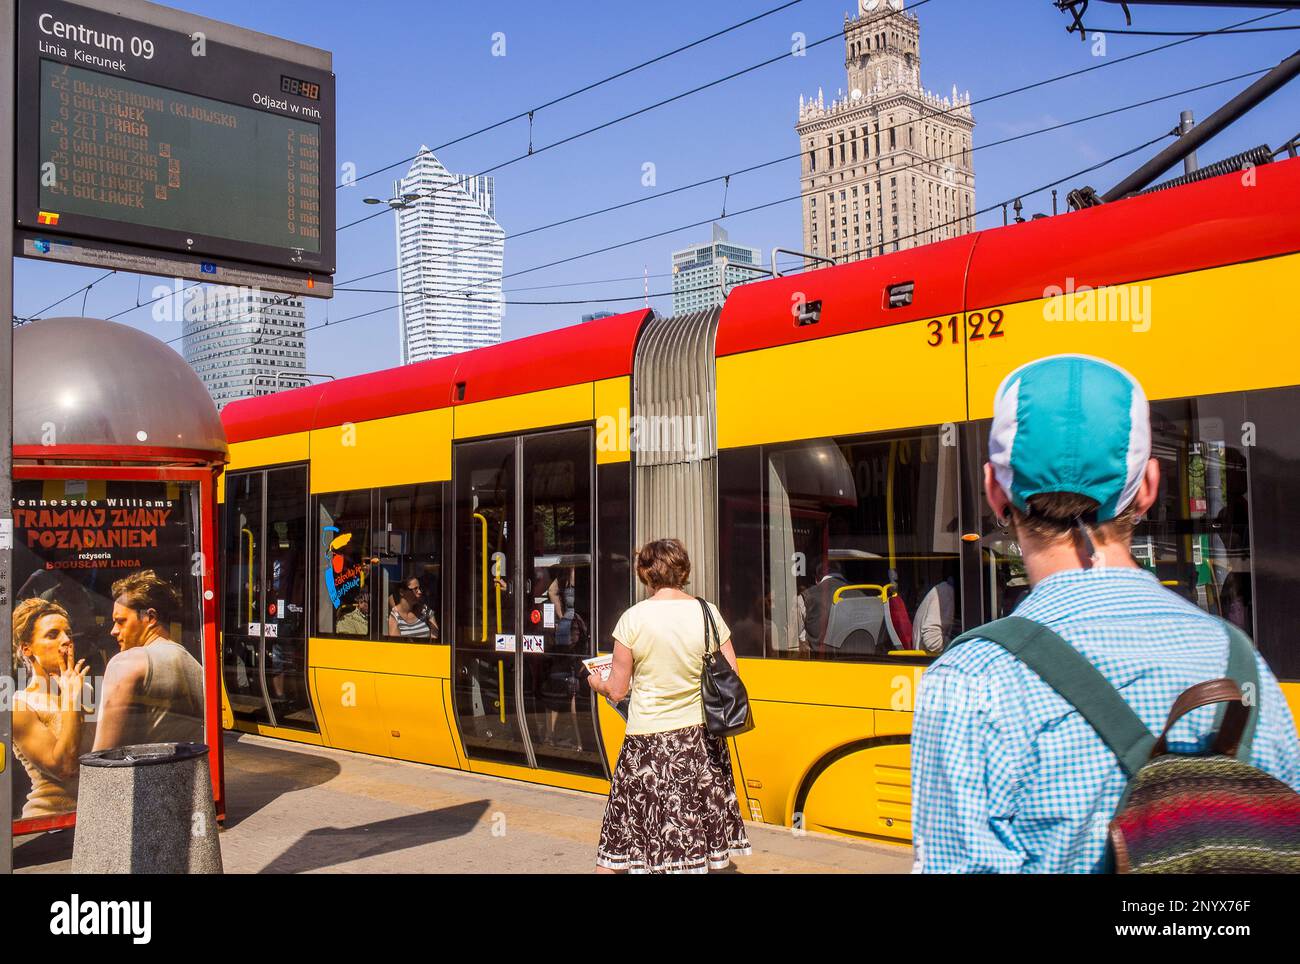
(153, 688)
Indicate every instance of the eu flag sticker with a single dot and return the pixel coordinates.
(207, 267)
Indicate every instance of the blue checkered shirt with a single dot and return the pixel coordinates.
(1007, 777)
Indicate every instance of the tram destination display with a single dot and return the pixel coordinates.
(156, 139)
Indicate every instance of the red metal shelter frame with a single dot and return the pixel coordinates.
(205, 475)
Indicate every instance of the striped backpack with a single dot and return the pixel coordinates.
(1180, 813)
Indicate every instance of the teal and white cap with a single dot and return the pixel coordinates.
(1071, 423)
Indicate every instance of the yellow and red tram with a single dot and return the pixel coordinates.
(824, 429)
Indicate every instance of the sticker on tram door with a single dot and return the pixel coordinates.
(534, 644)
(505, 642)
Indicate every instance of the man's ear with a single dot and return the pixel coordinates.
(995, 494)
(1148, 488)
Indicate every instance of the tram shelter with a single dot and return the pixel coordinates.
(117, 449)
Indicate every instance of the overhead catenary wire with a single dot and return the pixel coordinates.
(72, 294)
(574, 93)
(892, 171)
(1189, 33)
(983, 100)
(902, 124)
(1023, 194)
(533, 151)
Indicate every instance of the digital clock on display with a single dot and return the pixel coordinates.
(299, 88)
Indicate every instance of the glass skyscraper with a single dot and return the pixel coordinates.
(450, 252)
(704, 273)
(243, 342)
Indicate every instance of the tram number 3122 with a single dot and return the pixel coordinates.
(980, 327)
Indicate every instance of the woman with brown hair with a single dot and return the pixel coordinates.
(672, 801)
(48, 713)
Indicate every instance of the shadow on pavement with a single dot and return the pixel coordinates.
(328, 846)
(42, 849)
(257, 774)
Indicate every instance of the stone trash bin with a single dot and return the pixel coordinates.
(146, 809)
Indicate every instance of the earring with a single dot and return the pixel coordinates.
(1002, 522)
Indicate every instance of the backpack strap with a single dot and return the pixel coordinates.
(1077, 681)
(1243, 668)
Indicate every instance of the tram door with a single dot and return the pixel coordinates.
(264, 641)
(523, 601)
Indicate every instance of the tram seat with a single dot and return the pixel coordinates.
(860, 624)
(857, 624)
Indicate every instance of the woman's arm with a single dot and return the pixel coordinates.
(620, 676)
(729, 651)
(393, 629)
(56, 755)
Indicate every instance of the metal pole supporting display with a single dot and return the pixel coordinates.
(8, 105)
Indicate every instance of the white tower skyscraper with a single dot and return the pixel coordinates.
(450, 252)
(244, 342)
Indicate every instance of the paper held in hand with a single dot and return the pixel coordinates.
(600, 665)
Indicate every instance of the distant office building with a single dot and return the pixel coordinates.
(597, 314)
(703, 273)
(450, 252)
(886, 166)
(244, 342)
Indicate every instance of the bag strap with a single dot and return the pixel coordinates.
(710, 630)
(1077, 681)
(1243, 669)
(1229, 727)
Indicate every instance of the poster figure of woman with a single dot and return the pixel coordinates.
(48, 713)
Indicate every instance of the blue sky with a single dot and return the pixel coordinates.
(412, 73)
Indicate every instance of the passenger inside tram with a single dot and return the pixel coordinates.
(936, 617)
(408, 616)
(355, 620)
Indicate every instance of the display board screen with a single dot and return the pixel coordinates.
(166, 134)
(128, 151)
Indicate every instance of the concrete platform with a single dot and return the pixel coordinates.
(298, 809)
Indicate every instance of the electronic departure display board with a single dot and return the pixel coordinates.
(156, 141)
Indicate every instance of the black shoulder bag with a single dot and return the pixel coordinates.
(726, 703)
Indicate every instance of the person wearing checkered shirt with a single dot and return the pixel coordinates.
(1007, 777)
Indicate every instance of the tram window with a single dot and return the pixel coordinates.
(1274, 454)
(1196, 538)
(408, 545)
(742, 597)
(614, 540)
(842, 548)
(343, 598)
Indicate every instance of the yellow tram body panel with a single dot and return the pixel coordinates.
(829, 386)
(1235, 312)
(380, 452)
(274, 450)
(519, 413)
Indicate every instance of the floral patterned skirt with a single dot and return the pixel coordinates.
(672, 806)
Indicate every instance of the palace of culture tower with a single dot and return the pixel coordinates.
(887, 165)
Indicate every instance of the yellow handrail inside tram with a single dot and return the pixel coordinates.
(249, 533)
(881, 591)
(501, 687)
(483, 555)
(889, 503)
